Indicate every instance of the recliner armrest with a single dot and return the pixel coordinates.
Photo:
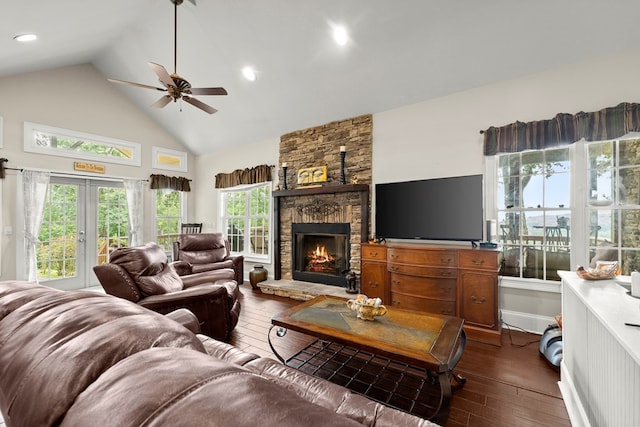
(238, 267)
(183, 268)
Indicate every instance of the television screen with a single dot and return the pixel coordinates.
(431, 209)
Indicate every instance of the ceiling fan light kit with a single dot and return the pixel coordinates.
(177, 88)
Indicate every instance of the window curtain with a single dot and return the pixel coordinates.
(563, 129)
(171, 182)
(134, 192)
(261, 173)
(34, 192)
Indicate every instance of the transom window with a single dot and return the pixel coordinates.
(246, 215)
(67, 143)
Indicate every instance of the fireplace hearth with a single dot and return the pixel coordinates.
(321, 252)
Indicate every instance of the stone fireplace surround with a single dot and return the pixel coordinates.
(330, 202)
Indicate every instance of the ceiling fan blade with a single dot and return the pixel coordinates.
(162, 102)
(201, 105)
(136, 84)
(208, 91)
(162, 74)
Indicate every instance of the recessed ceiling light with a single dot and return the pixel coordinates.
(340, 35)
(249, 74)
(25, 37)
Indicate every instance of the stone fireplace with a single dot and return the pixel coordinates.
(323, 207)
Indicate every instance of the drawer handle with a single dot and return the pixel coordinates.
(394, 268)
(445, 273)
(445, 260)
(373, 284)
(394, 256)
(445, 289)
(478, 261)
(373, 254)
(448, 311)
(395, 282)
(395, 303)
(478, 301)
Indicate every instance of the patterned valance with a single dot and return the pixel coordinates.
(563, 129)
(261, 173)
(171, 182)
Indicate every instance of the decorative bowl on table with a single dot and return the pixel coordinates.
(602, 271)
(367, 308)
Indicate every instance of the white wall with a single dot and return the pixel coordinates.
(78, 98)
(440, 137)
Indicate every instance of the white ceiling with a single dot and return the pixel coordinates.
(399, 53)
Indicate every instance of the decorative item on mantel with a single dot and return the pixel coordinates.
(284, 175)
(343, 154)
(367, 308)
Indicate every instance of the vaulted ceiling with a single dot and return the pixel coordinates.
(398, 52)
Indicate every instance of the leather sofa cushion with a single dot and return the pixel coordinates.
(202, 248)
(54, 344)
(164, 282)
(146, 260)
(181, 387)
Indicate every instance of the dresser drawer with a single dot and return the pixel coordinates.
(415, 270)
(407, 302)
(435, 258)
(444, 289)
(478, 259)
(374, 252)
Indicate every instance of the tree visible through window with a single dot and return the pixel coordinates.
(246, 214)
(168, 217)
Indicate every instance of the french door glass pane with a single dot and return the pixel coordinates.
(113, 221)
(57, 252)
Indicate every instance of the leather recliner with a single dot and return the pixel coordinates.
(199, 254)
(141, 274)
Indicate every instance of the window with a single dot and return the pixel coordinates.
(246, 215)
(563, 207)
(168, 217)
(66, 143)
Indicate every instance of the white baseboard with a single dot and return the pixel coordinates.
(527, 321)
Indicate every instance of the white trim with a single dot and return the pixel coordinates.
(179, 156)
(530, 284)
(1, 132)
(527, 321)
(575, 410)
(31, 147)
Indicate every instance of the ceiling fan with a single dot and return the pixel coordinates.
(176, 86)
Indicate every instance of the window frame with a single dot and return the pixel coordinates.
(30, 145)
(181, 217)
(223, 218)
(580, 225)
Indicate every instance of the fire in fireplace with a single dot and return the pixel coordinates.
(321, 252)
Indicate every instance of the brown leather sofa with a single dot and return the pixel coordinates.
(79, 358)
(142, 275)
(200, 254)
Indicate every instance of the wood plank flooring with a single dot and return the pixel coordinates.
(509, 386)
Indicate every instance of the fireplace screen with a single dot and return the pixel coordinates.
(321, 253)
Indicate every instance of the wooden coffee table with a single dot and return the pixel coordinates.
(406, 341)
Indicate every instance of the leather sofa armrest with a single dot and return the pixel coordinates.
(164, 303)
(183, 268)
(186, 318)
(238, 267)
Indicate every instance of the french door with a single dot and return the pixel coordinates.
(83, 221)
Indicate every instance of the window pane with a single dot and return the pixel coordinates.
(235, 234)
(168, 217)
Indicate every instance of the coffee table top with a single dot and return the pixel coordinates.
(423, 340)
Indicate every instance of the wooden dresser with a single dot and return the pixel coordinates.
(452, 280)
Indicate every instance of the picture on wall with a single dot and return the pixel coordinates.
(164, 158)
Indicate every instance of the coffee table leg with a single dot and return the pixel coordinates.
(279, 332)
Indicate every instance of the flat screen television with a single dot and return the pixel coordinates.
(430, 209)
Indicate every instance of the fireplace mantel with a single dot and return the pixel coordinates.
(363, 189)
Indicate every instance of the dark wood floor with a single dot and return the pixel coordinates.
(509, 385)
